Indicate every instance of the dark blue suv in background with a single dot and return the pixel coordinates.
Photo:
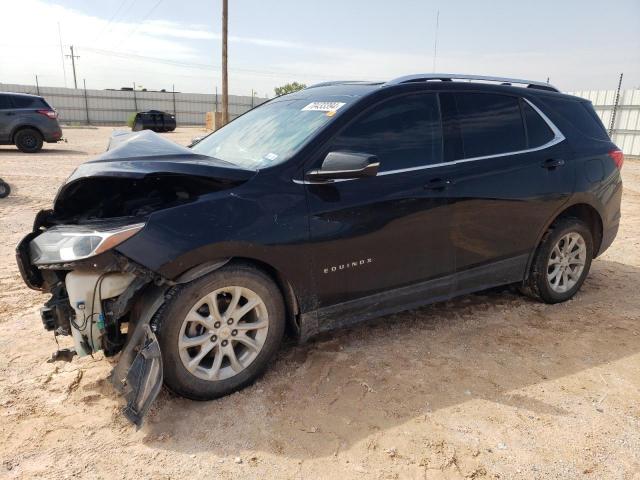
(341, 202)
(27, 121)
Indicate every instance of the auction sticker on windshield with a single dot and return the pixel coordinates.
(323, 106)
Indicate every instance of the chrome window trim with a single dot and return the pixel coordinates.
(557, 138)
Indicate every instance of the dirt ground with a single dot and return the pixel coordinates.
(489, 385)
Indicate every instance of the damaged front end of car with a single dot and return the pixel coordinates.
(101, 298)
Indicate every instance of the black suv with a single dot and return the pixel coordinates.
(27, 121)
(154, 120)
(322, 208)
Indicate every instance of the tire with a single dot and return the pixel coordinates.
(557, 254)
(28, 140)
(214, 374)
(5, 189)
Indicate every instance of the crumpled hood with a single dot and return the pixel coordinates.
(138, 154)
(140, 173)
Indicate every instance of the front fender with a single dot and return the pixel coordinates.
(271, 228)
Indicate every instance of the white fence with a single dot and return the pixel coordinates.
(112, 107)
(626, 128)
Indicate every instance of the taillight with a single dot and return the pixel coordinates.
(618, 157)
(48, 113)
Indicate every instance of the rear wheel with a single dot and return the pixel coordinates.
(28, 140)
(562, 261)
(220, 332)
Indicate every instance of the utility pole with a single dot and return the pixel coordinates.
(37, 85)
(225, 85)
(73, 64)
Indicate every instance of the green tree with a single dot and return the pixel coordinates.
(289, 88)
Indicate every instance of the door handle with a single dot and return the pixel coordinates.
(437, 184)
(552, 163)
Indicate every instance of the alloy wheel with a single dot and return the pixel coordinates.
(223, 333)
(566, 262)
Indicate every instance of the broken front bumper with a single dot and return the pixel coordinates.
(138, 374)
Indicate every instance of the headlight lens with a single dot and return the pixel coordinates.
(68, 243)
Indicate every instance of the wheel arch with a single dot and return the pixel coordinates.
(284, 285)
(581, 210)
(16, 129)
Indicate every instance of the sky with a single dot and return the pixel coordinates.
(578, 45)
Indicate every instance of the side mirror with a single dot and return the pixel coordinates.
(345, 165)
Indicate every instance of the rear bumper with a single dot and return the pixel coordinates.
(53, 136)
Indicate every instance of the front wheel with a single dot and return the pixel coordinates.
(562, 261)
(219, 333)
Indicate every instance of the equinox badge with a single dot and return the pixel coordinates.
(348, 265)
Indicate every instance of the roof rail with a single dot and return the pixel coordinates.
(343, 82)
(447, 77)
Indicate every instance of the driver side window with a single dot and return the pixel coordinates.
(403, 132)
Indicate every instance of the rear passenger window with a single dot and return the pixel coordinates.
(28, 102)
(490, 124)
(538, 132)
(404, 132)
(4, 102)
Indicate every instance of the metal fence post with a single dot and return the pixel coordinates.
(175, 113)
(86, 101)
(135, 100)
(615, 107)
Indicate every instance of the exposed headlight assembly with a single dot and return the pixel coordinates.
(68, 243)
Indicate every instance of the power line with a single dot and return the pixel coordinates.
(140, 22)
(110, 21)
(125, 12)
(202, 66)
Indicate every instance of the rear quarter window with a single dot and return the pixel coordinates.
(28, 102)
(581, 116)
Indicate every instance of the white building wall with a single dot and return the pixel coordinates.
(112, 107)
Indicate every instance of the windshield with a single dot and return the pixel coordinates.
(269, 134)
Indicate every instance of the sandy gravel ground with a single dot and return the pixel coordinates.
(489, 385)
